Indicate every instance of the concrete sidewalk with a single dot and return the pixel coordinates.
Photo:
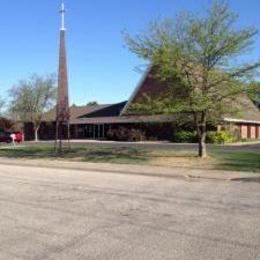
(158, 171)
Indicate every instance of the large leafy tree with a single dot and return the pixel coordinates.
(198, 59)
(2, 103)
(254, 93)
(31, 98)
(6, 124)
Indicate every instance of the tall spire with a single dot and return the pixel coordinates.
(62, 113)
(62, 12)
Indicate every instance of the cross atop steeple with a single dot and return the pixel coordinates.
(62, 12)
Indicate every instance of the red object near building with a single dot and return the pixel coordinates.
(19, 137)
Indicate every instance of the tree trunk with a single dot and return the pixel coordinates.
(202, 145)
(36, 138)
(202, 133)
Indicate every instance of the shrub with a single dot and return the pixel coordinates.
(185, 137)
(220, 137)
(213, 137)
(136, 135)
(125, 134)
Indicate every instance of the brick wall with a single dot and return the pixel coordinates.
(252, 132)
(249, 131)
(243, 131)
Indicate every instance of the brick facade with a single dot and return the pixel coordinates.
(244, 131)
(249, 131)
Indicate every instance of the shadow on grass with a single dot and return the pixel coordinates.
(128, 155)
(238, 161)
(221, 159)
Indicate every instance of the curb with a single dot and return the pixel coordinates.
(113, 171)
(150, 171)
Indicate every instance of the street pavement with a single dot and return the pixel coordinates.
(68, 214)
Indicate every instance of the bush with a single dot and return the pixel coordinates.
(125, 134)
(213, 137)
(185, 137)
(220, 137)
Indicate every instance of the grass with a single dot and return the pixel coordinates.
(220, 157)
(78, 153)
(239, 161)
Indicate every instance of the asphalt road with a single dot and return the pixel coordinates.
(64, 214)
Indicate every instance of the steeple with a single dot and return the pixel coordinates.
(62, 12)
(62, 113)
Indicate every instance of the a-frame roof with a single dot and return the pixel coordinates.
(153, 87)
(149, 85)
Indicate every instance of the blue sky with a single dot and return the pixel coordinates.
(100, 67)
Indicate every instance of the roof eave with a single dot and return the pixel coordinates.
(236, 120)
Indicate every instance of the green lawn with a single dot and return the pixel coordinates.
(78, 153)
(220, 157)
(238, 160)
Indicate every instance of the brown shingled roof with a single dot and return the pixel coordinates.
(75, 112)
(247, 110)
(149, 85)
(152, 87)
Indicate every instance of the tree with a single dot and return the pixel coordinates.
(254, 93)
(92, 103)
(2, 103)
(31, 98)
(196, 58)
(6, 124)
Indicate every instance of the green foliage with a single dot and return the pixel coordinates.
(185, 137)
(197, 59)
(220, 137)
(254, 93)
(213, 137)
(31, 98)
(92, 103)
(195, 56)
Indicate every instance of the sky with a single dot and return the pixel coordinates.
(100, 67)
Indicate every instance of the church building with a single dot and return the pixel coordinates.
(97, 121)
(106, 121)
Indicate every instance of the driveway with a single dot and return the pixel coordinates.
(69, 214)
